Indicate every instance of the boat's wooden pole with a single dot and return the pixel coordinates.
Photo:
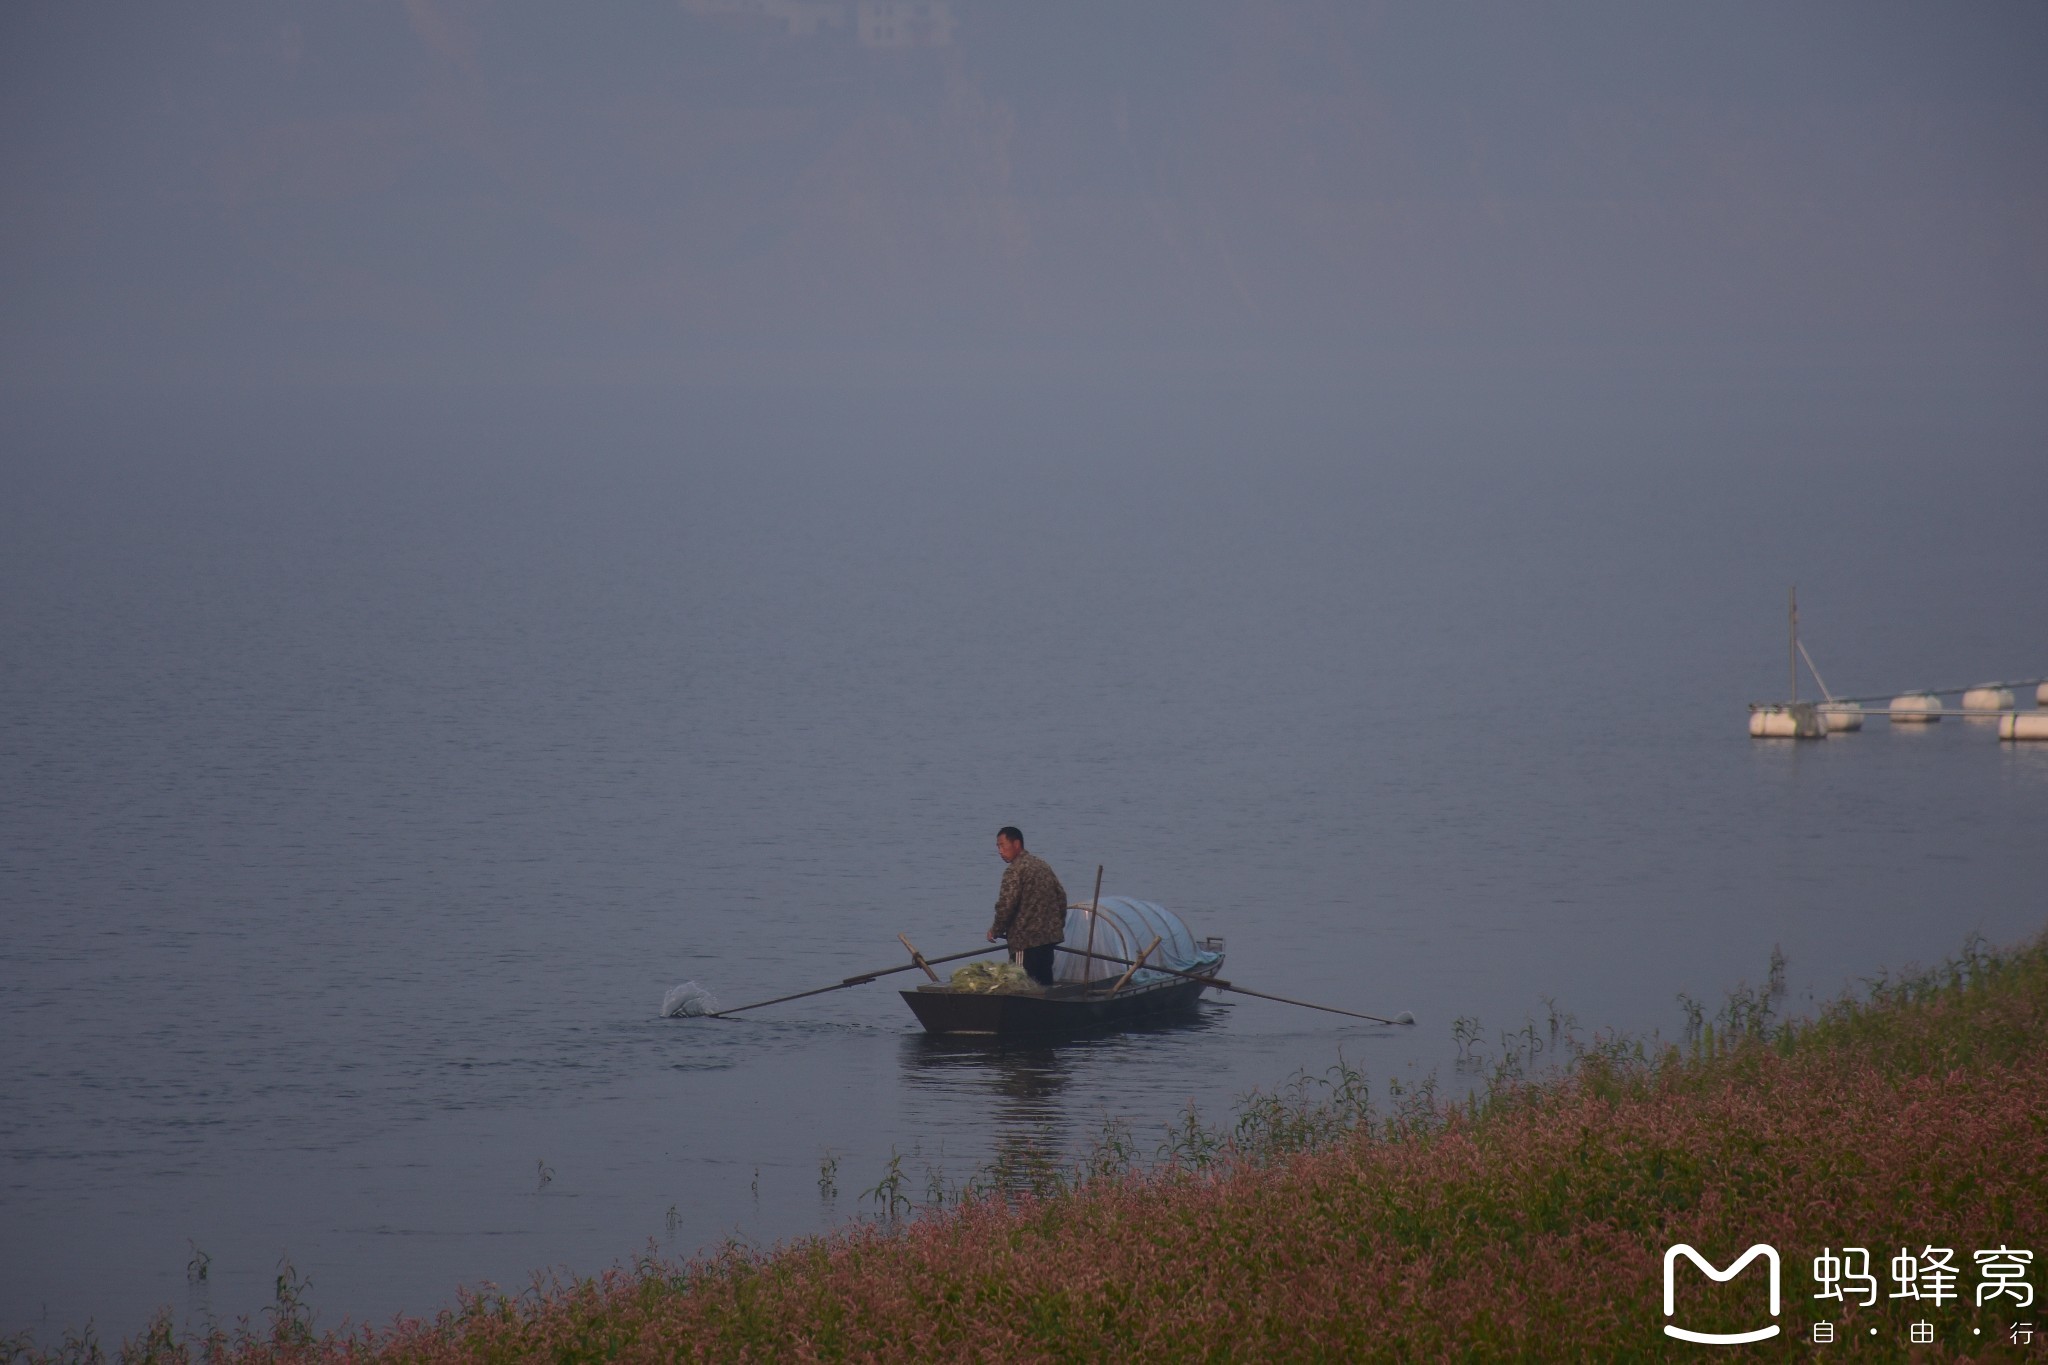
(917, 958)
(860, 980)
(1135, 965)
(1223, 985)
(1094, 905)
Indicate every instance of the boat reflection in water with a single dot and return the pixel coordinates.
(1041, 1104)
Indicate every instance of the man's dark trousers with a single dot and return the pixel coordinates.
(1038, 963)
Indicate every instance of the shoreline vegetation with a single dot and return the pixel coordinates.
(1529, 1219)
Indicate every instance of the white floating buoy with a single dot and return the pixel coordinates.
(1842, 715)
(1792, 720)
(1916, 708)
(1988, 698)
(2025, 725)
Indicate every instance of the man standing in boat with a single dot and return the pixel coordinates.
(1031, 909)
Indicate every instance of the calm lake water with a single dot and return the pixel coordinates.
(369, 770)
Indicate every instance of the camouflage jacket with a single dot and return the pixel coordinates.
(1031, 909)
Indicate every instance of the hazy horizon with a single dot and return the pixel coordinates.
(833, 192)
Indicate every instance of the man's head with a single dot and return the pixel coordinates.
(1009, 843)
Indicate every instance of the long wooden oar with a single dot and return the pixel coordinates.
(1222, 985)
(860, 980)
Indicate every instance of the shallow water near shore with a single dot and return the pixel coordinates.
(372, 775)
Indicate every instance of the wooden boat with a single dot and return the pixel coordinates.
(1063, 1008)
(1083, 999)
(1163, 978)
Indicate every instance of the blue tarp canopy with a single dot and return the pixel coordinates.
(1122, 929)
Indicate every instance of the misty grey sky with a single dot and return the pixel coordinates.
(230, 193)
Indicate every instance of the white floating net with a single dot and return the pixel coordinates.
(687, 999)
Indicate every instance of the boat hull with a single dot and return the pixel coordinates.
(1060, 1009)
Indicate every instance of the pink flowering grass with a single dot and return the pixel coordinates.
(1530, 1225)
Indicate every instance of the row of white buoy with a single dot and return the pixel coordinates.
(1990, 702)
(1819, 719)
(1987, 702)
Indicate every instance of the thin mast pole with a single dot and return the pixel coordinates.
(1795, 642)
(1094, 904)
